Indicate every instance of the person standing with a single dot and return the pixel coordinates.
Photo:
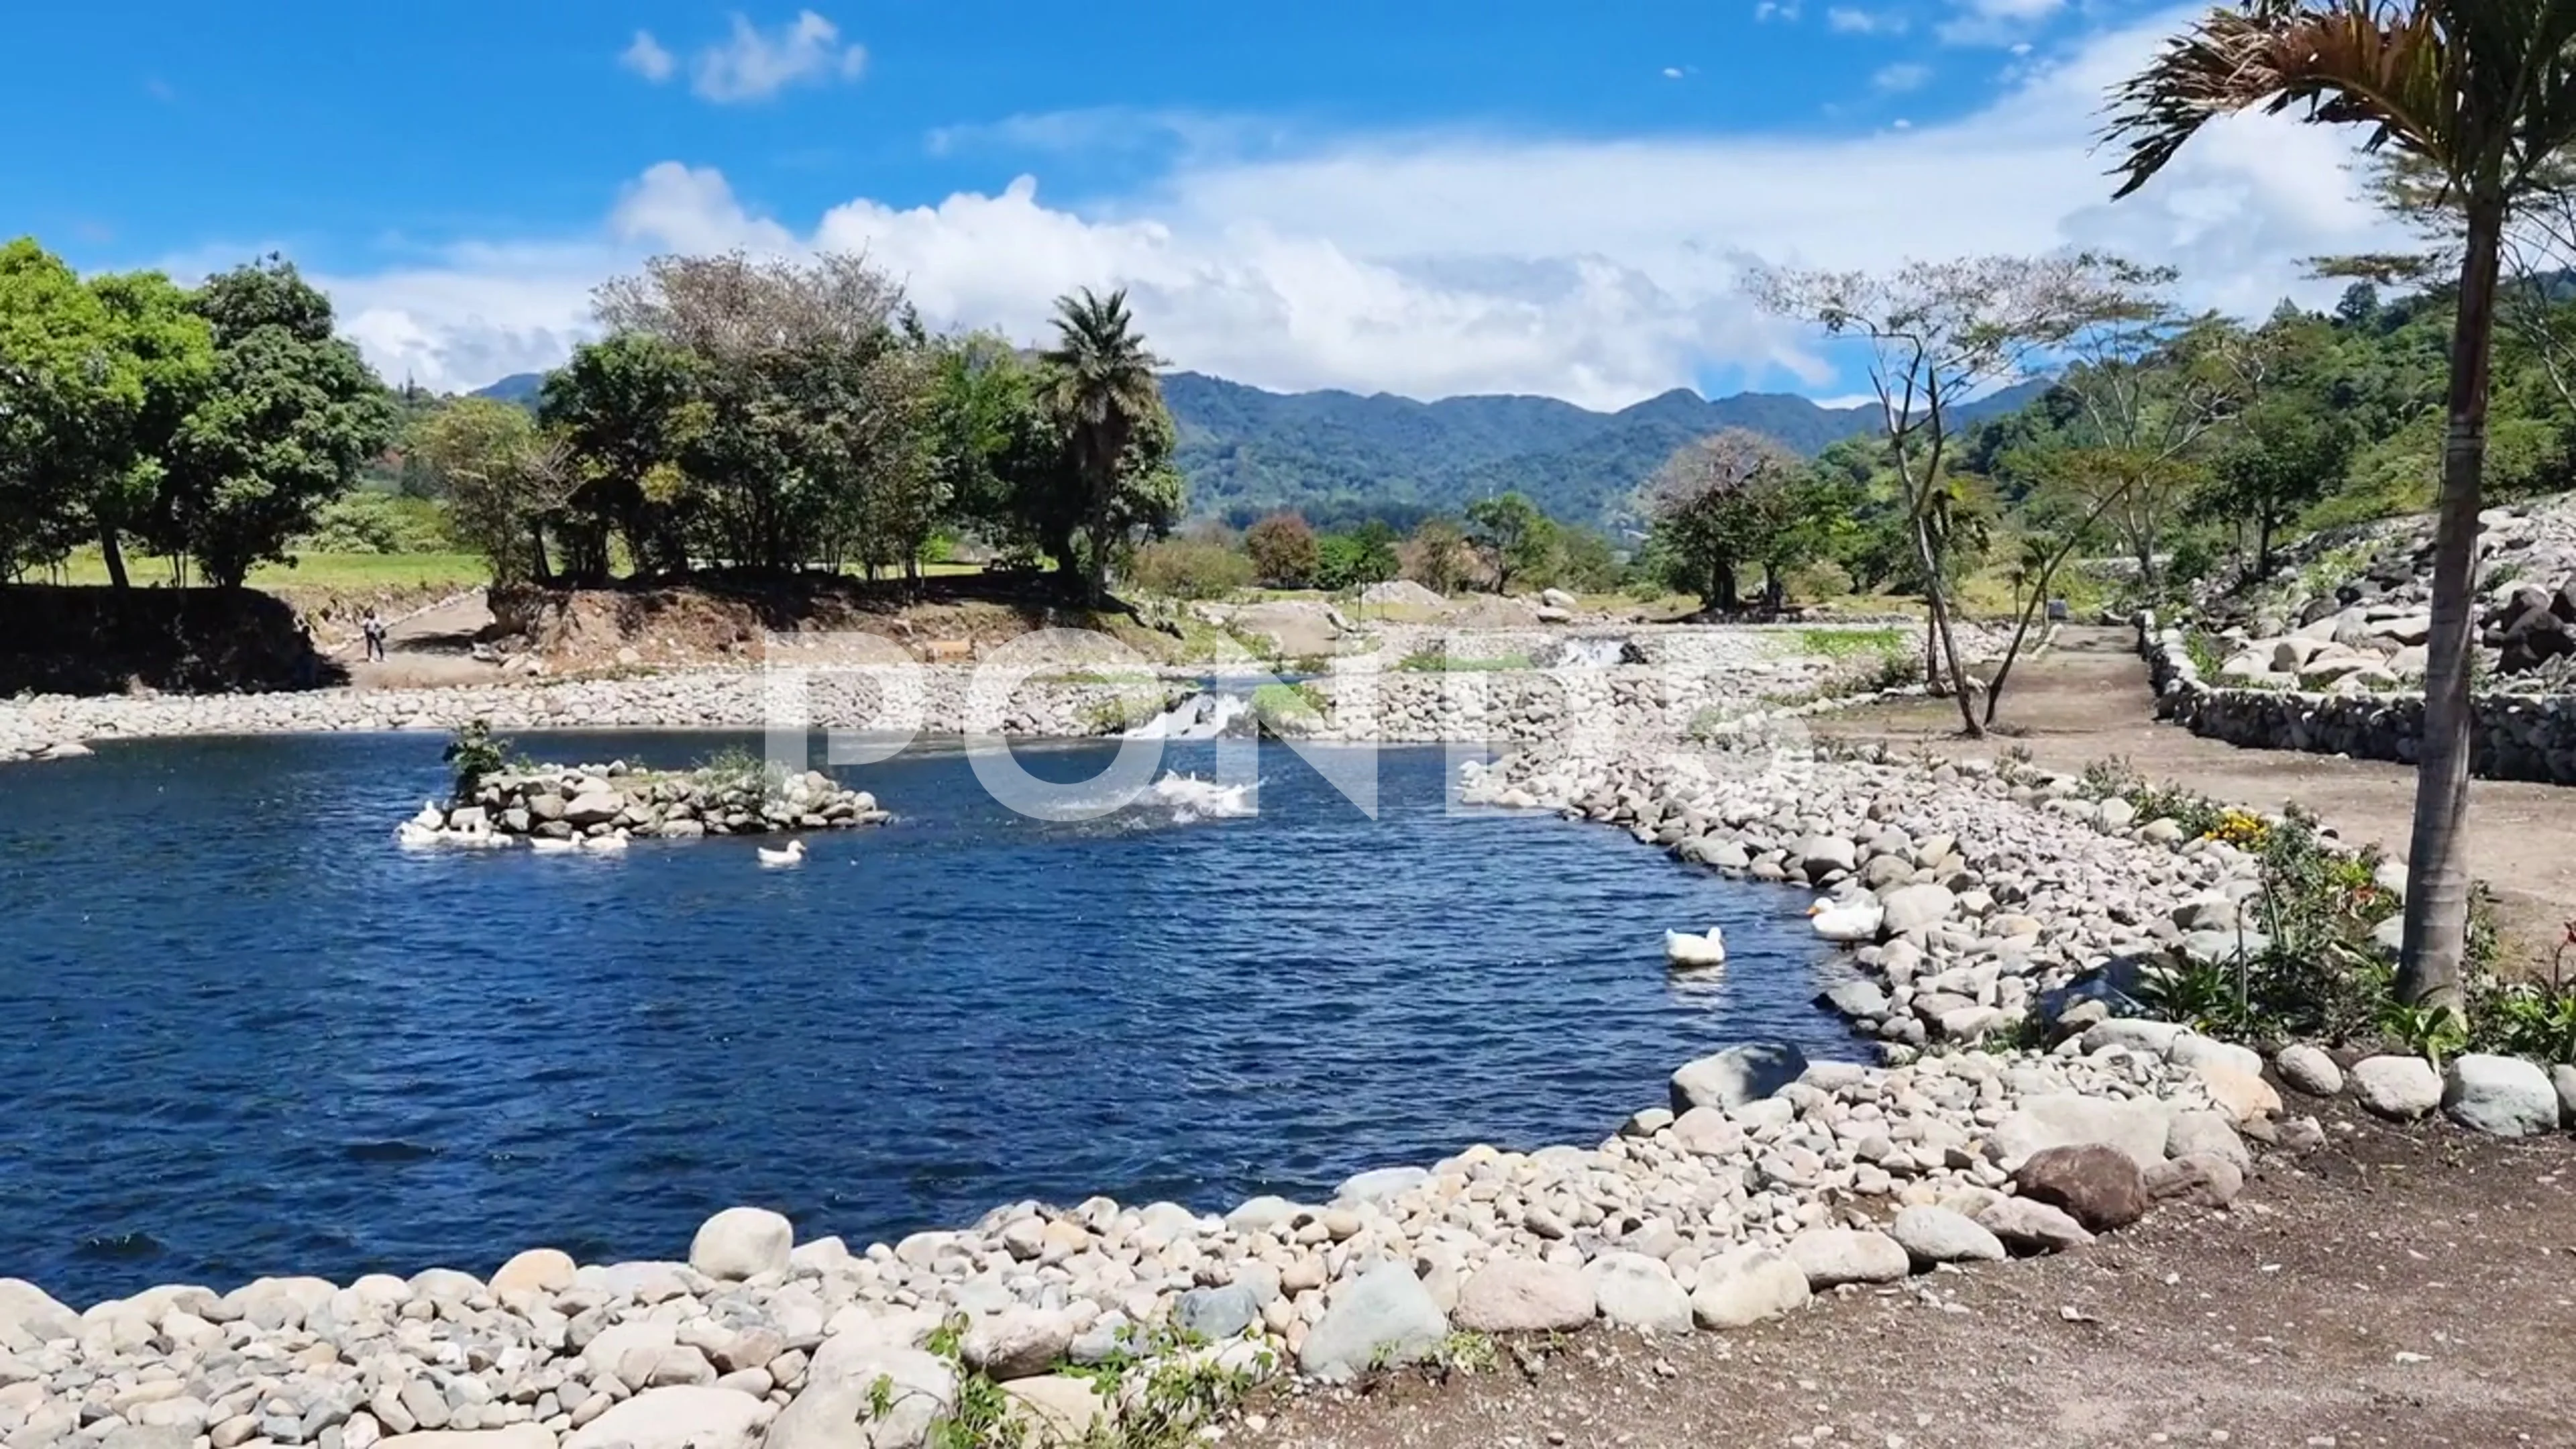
(374, 629)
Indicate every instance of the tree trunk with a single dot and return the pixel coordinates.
(2263, 544)
(1936, 607)
(2437, 881)
(115, 556)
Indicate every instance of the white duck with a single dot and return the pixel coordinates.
(543, 845)
(1681, 948)
(1846, 923)
(605, 844)
(416, 835)
(794, 854)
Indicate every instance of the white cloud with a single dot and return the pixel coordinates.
(752, 64)
(1674, 72)
(1770, 10)
(1997, 22)
(1847, 21)
(1416, 263)
(645, 56)
(1901, 77)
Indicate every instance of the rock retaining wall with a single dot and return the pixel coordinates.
(2519, 737)
(600, 804)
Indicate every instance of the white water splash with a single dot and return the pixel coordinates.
(1192, 799)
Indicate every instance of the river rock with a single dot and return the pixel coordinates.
(2400, 1088)
(835, 1411)
(1736, 1076)
(538, 1270)
(1217, 1314)
(2198, 1179)
(2100, 1187)
(2207, 1134)
(742, 1242)
(2563, 1077)
(677, 1418)
(1747, 1285)
(2137, 1127)
(1021, 1343)
(1831, 1257)
(1916, 908)
(1518, 1295)
(1933, 1235)
(515, 1436)
(1062, 1409)
(1384, 1317)
(1707, 1131)
(1379, 1184)
(2308, 1069)
(24, 1305)
(1636, 1292)
(596, 808)
(2500, 1096)
(2031, 1227)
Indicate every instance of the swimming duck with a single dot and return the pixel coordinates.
(1836, 921)
(605, 844)
(543, 845)
(794, 854)
(1681, 948)
(413, 833)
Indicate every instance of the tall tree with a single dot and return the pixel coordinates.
(1719, 504)
(1101, 389)
(2484, 93)
(1512, 533)
(1939, 334)
(291, 416)
(1282, 547)
(626, 409)
(503, 479)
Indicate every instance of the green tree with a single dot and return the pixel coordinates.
(504, 482)
(1357, 559)
(1283, 551)
(1719, 505)
(1512, 534)
(1101, 389)
(290, 417)
(626, 409)
(1437, 556)
(2481, 92)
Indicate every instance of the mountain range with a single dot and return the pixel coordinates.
(1336, 455)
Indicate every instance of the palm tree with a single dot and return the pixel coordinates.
(1102, 384)
(2483, 93)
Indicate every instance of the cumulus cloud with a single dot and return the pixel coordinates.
(1904, 76)
(1848, 21)
(753, 65)
(645, 56)
(1419, 264)
(1997, 22)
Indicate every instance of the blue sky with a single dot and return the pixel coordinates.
(1428, 198)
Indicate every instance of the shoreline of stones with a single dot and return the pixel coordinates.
(599, 806)
(1762, 1181)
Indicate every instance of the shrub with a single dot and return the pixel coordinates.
(1185, 568)
(1282, 550)
(379, 523)
(472, 754)
(1435, 659)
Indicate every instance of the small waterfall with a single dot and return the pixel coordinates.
(1594, 653)
(1206, 715)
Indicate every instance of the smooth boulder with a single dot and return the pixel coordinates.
(2032, 1227)
(1736, 1076)
(1934, 1235)
(1384, 1317)
(742, 1242)
(2098, 1186)
(1636, 1292)
(1832, 1257)
(2500, 1096)
(1746, 1286)
(677, 1418)
(2138, 1128)
(2399, 1088)
(1520, 1295)
(2308, 1069)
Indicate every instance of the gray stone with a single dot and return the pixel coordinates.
(2500, 1096)
(1384, 1317)
(1862, 999)
(742, 1242)
(2198, 1179)
(2308, 1069)
(1380, 1184)
(1021, 1343)
(678, 1419)
(24, 1305)
(2138, 1127)
(1746, 1286)
(596, 808)
(2031, 1227)
(834, 1410)
(2563, 1078)
(1824, 854)
(1736, 1076)
(1517, 1295)
(2401, 1088)
(1931, 1235)
(1636, 1292)
(1707, 1131)
(1260, 1214)
(1916, 908)
(1831, 1257)
(2207, 1134)
(1216, 1314)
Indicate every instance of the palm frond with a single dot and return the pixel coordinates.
(2376, 63)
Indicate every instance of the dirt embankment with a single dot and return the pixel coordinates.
(68, 640)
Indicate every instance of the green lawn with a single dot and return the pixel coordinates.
(315, 570)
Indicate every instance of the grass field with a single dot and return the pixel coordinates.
(316, 570)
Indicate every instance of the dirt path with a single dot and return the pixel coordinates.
(2089, 699)
(426, 650)
(2399, 1288)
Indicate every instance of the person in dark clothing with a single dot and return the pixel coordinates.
(374, 629)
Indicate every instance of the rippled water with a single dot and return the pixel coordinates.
(248, 1034)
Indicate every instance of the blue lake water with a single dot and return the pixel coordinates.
(249, 1034)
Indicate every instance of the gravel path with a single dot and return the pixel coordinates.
(2403, 1287)
(2089, 700)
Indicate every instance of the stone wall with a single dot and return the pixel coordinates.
(2519, 737)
